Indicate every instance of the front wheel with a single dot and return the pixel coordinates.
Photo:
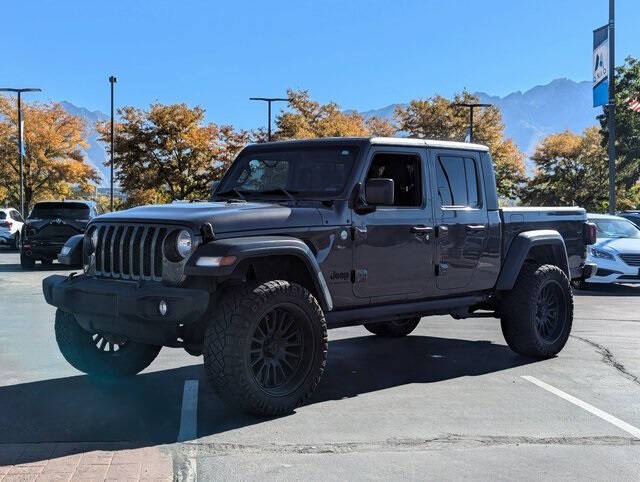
(265, 348)
(98, 354)
(393, 328)
(537, 314)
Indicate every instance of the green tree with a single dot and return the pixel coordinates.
(438, 118)
(627, 124)
(53, 165)
(167, 152)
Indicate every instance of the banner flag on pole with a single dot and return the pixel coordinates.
(601, 66)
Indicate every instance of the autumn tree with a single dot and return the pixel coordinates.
(571, 170)
(168, 152)
(627, 124)
(53, 164)
(438, 118)
(308, 118)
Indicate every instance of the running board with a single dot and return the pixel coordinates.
(357, 316)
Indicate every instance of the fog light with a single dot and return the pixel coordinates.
(162, 307)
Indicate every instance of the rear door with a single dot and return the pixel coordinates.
(461, 218)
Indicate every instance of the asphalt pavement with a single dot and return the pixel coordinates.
(449, 401)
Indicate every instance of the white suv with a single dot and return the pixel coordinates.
(10, 227)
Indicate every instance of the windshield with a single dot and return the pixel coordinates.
(615, 228)
(60, 210)
(302, 172)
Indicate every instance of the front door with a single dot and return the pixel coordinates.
(393, 256)
(461, 218)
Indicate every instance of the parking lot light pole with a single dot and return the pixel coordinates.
(269, 100)
(20, 134)
(112, 80)
(471, 107)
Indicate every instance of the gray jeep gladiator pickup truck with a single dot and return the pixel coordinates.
(310, 234)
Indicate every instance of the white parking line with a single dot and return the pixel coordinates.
(586, 406)
(189, 412)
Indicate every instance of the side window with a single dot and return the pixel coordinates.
(457, 179)
(405, 171)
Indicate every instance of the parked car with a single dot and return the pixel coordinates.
(616, 251)
(631, 215)
(10, 227)
(306, 235)
(49, 225)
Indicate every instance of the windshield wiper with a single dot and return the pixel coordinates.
(282, 190)
(233, 190)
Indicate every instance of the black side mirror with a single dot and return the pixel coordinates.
(379, 191)
(214, 188)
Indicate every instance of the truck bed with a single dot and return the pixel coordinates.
(568, 221)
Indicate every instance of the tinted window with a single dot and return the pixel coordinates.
(307, 172)
(404, 169)
(3, 215)
(457, 179)
(67, 210)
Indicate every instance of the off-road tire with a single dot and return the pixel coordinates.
(393, 328)
(79, 349)
(581, 285)
(27, 262)
(523, 307)
(229, 346)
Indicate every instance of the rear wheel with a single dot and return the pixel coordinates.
(27, 262)
(537, 314)
(393, 328)
(98, 354)
(265, 348)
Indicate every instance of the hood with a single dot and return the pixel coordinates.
(619, 245)
(223, 216)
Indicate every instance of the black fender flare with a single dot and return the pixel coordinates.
(244, 248)
(520, 247)
(73, 256)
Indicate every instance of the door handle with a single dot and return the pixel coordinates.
(475, 227)
(421, 230)
(442, 231)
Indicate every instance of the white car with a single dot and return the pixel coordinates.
(10, 227)
(616, 251)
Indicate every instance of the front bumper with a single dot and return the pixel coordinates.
(127, 308)
(613, 271)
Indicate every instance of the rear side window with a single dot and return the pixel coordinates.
(67, 210)
(457, 179)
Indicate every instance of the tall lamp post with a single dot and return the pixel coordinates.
(269, 100)
(471, 106)
(112, 80)
(611, 114)
(20, 134)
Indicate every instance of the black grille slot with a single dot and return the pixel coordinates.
(146, 260)
(631, 259)
(126, 251)
(129, 251)
(117, 255)
(136, 251)
(157, 252)
(99, 248)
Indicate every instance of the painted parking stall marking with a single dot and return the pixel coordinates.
(189, 412)
(586, 406)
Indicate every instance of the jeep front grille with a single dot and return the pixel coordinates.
(130, 251)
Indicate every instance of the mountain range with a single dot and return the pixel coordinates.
(528, 116)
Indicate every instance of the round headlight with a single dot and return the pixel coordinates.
(184, 243)
(94, 238)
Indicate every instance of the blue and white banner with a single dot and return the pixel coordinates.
(601, 66)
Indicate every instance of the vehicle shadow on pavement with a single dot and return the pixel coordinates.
(16, 268)
(609, 290)
(145, 410)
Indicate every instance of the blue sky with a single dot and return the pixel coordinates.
(362, 54)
